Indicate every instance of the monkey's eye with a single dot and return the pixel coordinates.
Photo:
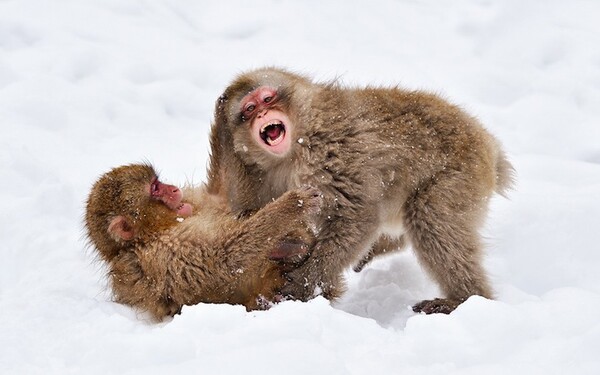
(267, 99)
(249, 108)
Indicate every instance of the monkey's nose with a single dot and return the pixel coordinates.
(262, 113)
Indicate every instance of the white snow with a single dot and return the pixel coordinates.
(89, 85)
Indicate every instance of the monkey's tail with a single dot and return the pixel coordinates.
(505, 174)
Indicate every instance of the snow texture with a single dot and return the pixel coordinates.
(89, 85)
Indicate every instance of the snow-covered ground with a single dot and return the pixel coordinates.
(88, 85)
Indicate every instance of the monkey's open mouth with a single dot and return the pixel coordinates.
(273, 132)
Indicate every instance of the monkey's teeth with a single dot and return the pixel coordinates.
(271, 123)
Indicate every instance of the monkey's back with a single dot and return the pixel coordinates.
(412, 135)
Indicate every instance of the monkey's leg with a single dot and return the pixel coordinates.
(442, 220)
(384, 245)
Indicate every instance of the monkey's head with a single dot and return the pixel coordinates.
(258, 113)
(130, 203)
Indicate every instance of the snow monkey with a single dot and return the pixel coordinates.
(162, 255)
(393, 166)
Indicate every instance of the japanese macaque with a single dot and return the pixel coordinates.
(162, 255)
(393, 166)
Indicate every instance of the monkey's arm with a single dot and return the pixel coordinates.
(350, 219)
(279, 231)
(235, 266)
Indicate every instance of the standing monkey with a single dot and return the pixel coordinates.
(391, 164)
(162, 256)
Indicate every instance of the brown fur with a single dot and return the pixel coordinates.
(388, 161)
(208, 257)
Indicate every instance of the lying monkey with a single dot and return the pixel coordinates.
(161, 255)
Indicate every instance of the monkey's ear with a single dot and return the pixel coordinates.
(120, 229)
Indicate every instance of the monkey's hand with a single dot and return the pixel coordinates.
(286, 226)
(296, 212)
(295, 247)
(308, 199)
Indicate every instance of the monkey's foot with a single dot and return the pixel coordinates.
(436, 306)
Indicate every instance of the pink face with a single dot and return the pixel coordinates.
(270, 127)
(171, 196)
